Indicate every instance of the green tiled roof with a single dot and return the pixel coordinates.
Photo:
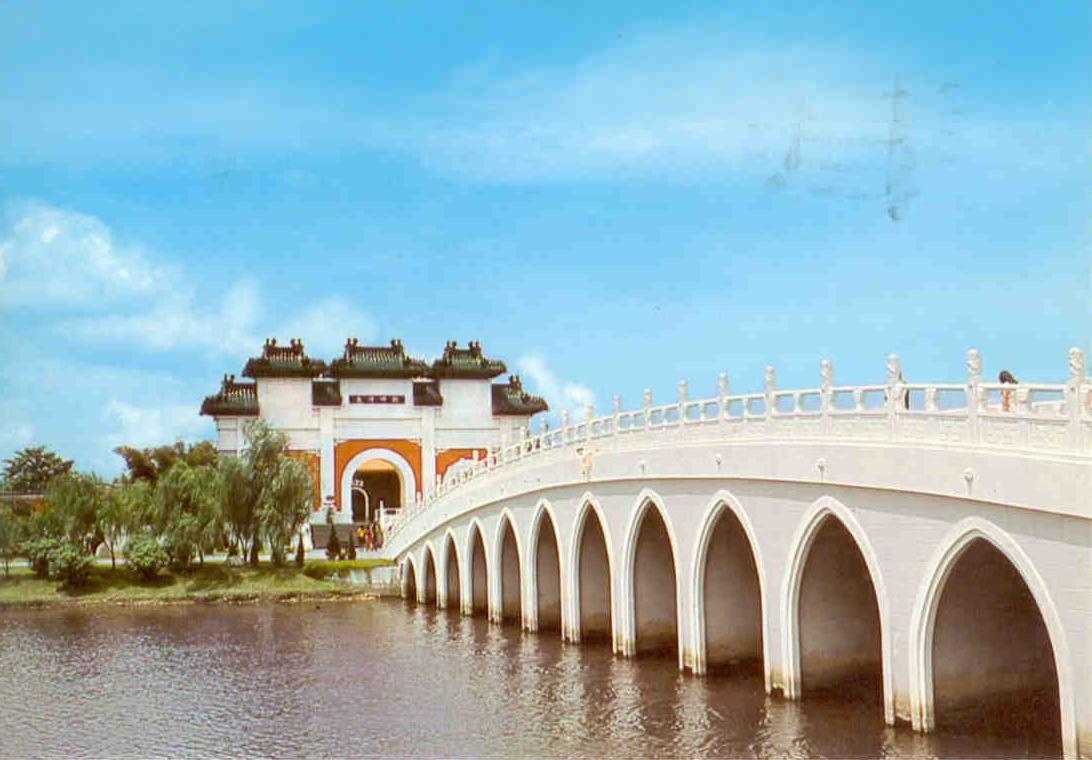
(376, 361)
(325, 393)
(233, 400)
(466, 363)
(510, 399)
(284, 361)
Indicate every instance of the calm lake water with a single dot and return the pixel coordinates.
(389, 679)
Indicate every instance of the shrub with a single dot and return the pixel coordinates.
(38, 551)
(70, 566)
(144, 554)
(333, 546)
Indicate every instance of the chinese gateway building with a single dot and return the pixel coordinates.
(377, 427)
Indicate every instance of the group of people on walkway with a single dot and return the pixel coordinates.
(369, 536)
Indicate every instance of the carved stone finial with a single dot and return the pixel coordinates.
(647, 397)
(826, 374)
(722, 384)
(974, 367)
(771, 378)
(684, 391)
(617, 404)
(589, 410)
(1077, 369)
(894, 369)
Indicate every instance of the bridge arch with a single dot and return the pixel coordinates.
(508, 557)
(451, 583)
(544, 571)
(650, 585)
(924, 617)
(428, 583)
(725, 505)
(409, 578)
(592, 574)
(813, 522)
(476, 570)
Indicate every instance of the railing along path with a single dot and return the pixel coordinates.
(1055, 418)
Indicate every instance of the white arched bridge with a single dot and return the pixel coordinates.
(928, 544)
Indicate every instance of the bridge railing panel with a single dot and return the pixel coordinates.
(1025, 416)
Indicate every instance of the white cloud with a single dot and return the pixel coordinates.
(558, 393)
(153, 425)
(53, 260)
(55, 257)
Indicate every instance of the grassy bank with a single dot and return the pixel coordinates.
(214, 582)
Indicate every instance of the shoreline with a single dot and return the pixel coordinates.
(214, 583)
(285, 597)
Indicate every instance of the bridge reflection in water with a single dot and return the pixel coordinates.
(927, 560)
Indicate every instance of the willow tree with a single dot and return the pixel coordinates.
(285, 503)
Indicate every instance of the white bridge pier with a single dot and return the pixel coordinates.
(934, 537)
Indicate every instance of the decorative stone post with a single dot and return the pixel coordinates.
(722, 391)
(684, 392)
(564, 425)
(616, 407)
(1078, 374)
(646, 400)
(589, 413)
(894, 394)
(826, 384)
(771, 386)
(974, 389)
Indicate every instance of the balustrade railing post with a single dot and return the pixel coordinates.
(616, 407)
(771, 386)
(826, 393)
(894, 395)
(646, 400)
(589, 413)
(684, 392)
(502, 455)
(722, 389)
(1074, 402)
(564, 426)
(974, 388)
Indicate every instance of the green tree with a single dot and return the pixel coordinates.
(9, 535)
(151, 464)
(31, 469)
(284, 504)
(185, 511)
(237, 502)
(74, 501)
(262, 459)
(121, 512)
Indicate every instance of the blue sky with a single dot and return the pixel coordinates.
(609, 198)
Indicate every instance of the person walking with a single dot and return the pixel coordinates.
(1007, 394)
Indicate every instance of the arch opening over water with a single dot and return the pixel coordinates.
(479, 587)
(510, 585)
(452, 585)
(993, 667)
(409, 581)
(547, 576)
(428, 595)
(732, 599)
(839, 619)
(655, 604)
(593, 579)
